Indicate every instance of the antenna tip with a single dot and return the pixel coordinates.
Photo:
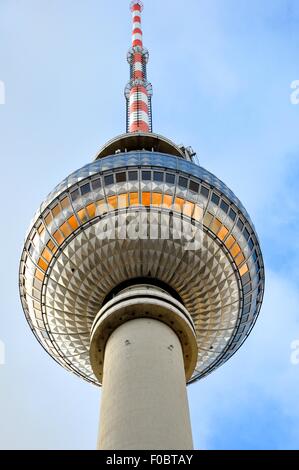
(134, 3)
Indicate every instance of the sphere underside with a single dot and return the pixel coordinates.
(141, 215)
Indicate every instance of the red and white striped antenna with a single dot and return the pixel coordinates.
(138, 92)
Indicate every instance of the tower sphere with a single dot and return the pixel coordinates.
(142, 213)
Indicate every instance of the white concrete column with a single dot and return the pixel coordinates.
(144, 398)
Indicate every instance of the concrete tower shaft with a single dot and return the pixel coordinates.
(143, 350)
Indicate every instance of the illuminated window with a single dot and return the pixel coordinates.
(170, 178)
(239, 259)
(222, 233)
(133, 175)
(112, 202)
(55, 210)
(193, 186)
(48, 219)
(47, 255)
(157, 199)
(158, 176)
(179, 204)
(58, 237)
(91, 210)
(73, 222)
(82, 215)
(235, 250)
(121, 177)
(41, 229)
(183, 182)
(134, 200)
(230, 241)
(96, 184)
(216, 225)
(208, 219)
(42, 264)
(167, 200)
(39, 275)
(146, 199)
(51, 246)
(109, 179)
(85, 189)
(65, 229)
(146, 175)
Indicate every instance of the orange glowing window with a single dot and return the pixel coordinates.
(222, 233)
(91, 210)
(56, 210)
(48, 219)
(51, 246)
(146, 199)
(157, 199)
(66, 230)
(235, 250)
(243, 270)
(123, 200)
(42, 264)
(188, 208)
(73, 222)
(58, 237)
(82, 215)
(230, 241)
(47, 255)
(41, 229)
(65, 202)
(207, 219)
(134, 200)
(167, 200)
(179, 204)
(39, 275)
(112, 202)
(239, 259)
(216, 225)
(101, 207)
(198, 213)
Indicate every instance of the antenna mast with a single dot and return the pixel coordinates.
(138, 91)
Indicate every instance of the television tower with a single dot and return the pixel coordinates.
(142, 272)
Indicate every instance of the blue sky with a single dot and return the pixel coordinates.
(222, 73)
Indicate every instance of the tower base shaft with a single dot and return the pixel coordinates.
(144, 398)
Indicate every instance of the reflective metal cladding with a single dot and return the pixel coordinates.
(141, 214)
